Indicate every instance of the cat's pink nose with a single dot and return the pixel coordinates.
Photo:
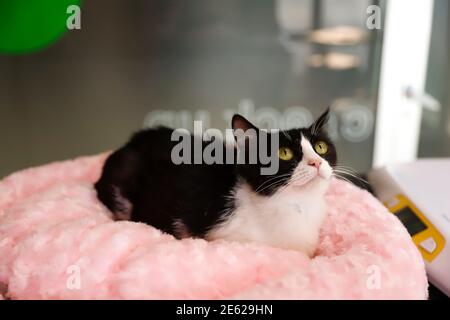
(315, 163)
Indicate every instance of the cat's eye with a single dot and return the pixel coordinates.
(285, 153)
(321, 147)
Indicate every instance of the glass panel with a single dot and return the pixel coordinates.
(139, 63)
(435, 128)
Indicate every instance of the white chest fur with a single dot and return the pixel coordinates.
(289, 219)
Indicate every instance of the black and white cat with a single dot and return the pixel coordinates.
(224, 201)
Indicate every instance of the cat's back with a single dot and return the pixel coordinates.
(151, 143)
(143, 179)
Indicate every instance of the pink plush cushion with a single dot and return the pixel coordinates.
(58, 241)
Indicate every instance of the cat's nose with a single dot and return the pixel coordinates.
(315, 163)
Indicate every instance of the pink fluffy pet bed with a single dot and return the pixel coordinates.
(53, 228)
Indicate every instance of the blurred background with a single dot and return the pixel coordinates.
(133, 64)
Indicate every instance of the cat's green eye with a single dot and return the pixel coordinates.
(285, 153)
(321, 147)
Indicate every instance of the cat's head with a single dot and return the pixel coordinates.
(303, 154)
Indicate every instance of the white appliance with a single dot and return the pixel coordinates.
(418, 193)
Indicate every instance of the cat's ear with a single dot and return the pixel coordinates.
(243, 131)
(239, 122)
(321, 122)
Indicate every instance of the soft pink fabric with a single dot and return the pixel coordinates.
(52, 226)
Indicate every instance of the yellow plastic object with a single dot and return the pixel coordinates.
(401, 202)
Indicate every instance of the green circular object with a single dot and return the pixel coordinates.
(31, 25)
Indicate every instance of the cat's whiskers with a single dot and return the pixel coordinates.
(275, 184)
(288, 177)
(347, 168)
(351, 173)
(297, 177)
(342, 171)
(339, 166)
(271, 179)
(340, 177)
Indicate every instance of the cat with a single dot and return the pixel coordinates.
(225, 201)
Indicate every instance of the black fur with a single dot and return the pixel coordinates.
(198, 194)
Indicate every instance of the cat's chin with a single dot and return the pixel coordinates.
(316, 180)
